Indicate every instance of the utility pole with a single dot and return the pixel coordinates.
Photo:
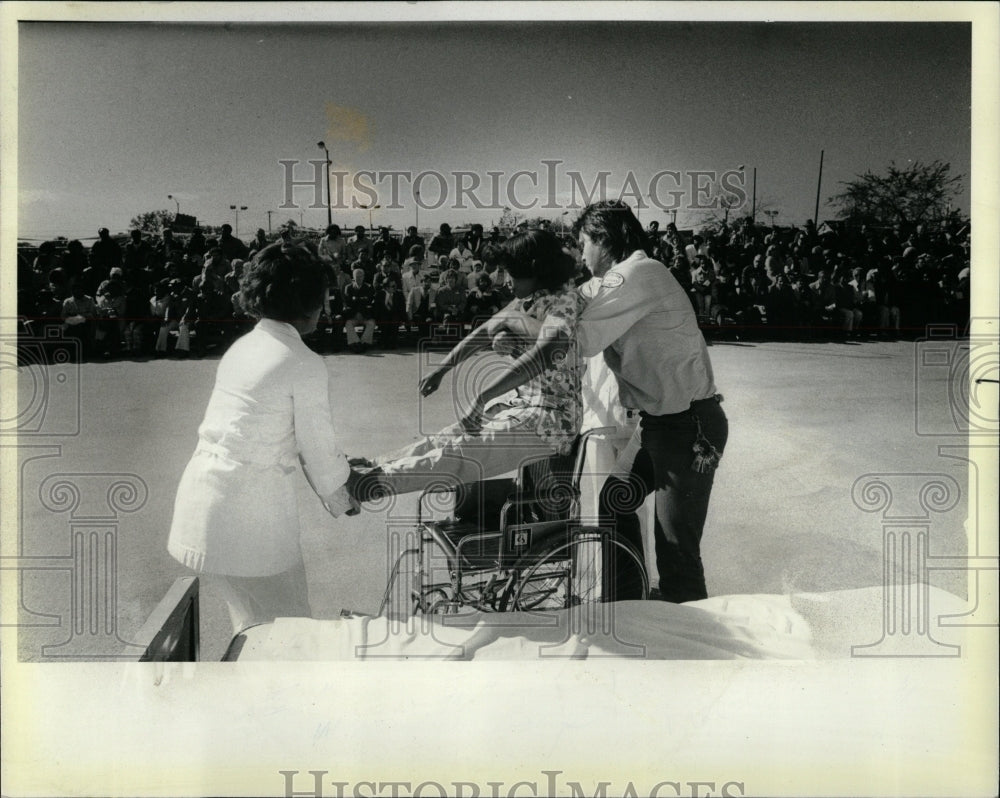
(269, 222)
(819, 183)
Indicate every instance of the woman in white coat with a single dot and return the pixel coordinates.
(235, 514)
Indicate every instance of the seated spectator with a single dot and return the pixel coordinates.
(410, 240)
(196, 244)
(701, 286)
(472, 278)
(389, 309)
(330, 328)
(846, 302)
(724, 299)
(482, 301)
(780, 307)
(209, 318)
(804, 304)
(74, 259)
(443, 243)
(824, 296)
(462, 256)
(232, 247)
(386, 247)
(384, 269)
(79, 314)
(360, 249)
(420, 305)
(231, 280)
(450, 301)
(503, 284)
(411, 272)
(111, 314)
(178, 300)
(332, 249)
(358, 298)
(215, 269)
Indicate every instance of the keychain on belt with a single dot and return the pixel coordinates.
(706, 456)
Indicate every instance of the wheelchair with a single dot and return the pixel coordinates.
(512, 545)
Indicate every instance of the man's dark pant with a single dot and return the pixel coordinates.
(664, 465)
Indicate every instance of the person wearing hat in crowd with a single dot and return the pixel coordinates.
(495, 238)
(231, 246)
(411, 269)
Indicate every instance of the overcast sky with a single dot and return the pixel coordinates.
(114, 117)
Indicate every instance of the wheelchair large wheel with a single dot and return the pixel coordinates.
(575, 571)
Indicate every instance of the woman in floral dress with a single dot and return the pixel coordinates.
(539, 392)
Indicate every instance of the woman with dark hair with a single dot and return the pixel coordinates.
(541, 418)
(641, 319)
(235, 514)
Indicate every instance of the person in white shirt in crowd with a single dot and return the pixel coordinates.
(331, 250)
(472, 278)
(411, 270)
(236, 515)
(463, 255)
(420, 306)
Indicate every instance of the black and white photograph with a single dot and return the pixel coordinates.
(499, 399)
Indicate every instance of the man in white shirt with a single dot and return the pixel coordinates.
(643, 322)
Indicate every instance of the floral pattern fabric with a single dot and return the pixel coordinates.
(550, 405)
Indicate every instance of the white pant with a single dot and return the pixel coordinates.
(367, 337)
(183, 336)
(258, 599)
(452, 456)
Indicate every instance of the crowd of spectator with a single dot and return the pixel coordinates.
(834, 282)
(171, 296)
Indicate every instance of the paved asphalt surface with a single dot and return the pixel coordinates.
(806, 422)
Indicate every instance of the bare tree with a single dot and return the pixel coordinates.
(906, 196)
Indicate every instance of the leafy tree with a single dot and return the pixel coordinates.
(905, 196)
(152, 221)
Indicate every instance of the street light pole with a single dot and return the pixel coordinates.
(329, 211)
(237, 208)
(269, 222)
(172, 197)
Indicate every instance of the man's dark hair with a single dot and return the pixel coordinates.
(538, 254)
(612, 224)
(284, 282)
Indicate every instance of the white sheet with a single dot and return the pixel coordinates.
(795, 627)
